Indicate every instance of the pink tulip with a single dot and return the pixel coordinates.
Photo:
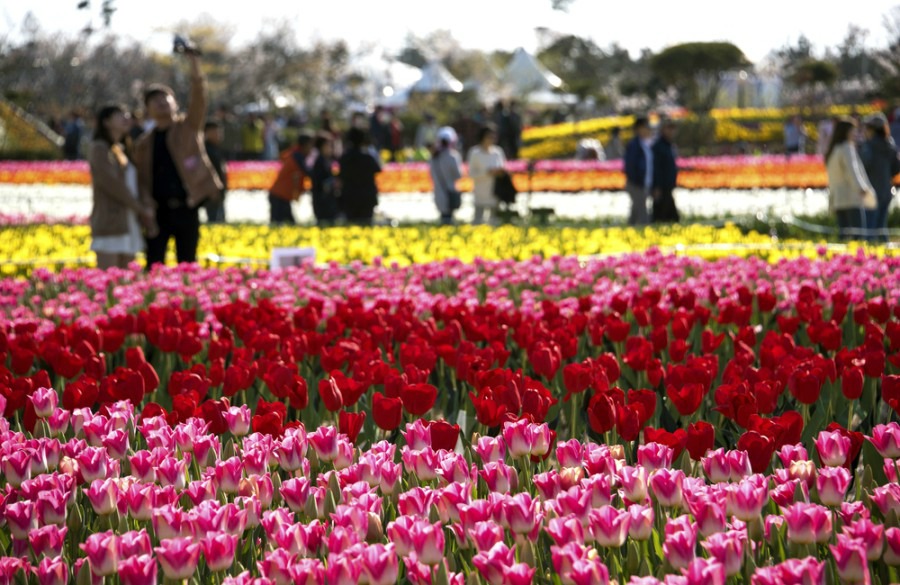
(428, 542)
(238, 419)
(745, 500)
(833, 448)
(116, 444)
(58, 421)
(640, 526)
(499, 477)
(307, 572)
(565, 557)
(484, 535)
(103, 495)
(143, 466)
(599, 489)
(170, 522)
(95, 428)
(519, 574)
(291, 451)
(138, 570)
(653, 456)
(521, 514)
(886, 440)
(832, 484)
(17, 468)
(704, 572)
(45, 401)
(716, 466)
(807, 523)
(325, 443)
(887, 498)
(205, 445)
(277, 567)
(53, 571)
(804, 471)
(518, 438)
(850, 559)
(178, 557)
(680, 542)
(665, 484)
(634, 483)
(790, 453)
(389, 477)
(48, 541)
(728, 549)
(488, 449)
(172, 471)
(400, 533)
(548, 484)
(93, 463)
(494, 563)
(380, 564)
(609, 526)
(598, 459)
(200, 491)
(710, 513)
(422, 463)
(134, 543)
(453, 468)
(587, 572)
(570, 453)
(51, 507)
(417, 435)
(228, 475)
(21, 518)
(295, 492)
(102, 552)
(870, 534)
(566, 529)
(892, 548)
(218, 550)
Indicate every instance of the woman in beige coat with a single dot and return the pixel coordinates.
(117, 212)
(849, 190)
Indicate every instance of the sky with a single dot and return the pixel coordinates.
(756, 26)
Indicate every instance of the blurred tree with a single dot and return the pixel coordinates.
(888, 59)
(562, 5)
(853, 59)
(693, 69)
(581, 64)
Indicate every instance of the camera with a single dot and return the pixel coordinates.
(185, 47)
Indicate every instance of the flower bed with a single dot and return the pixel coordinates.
(60, 246)
(732, 172)
(638, 418)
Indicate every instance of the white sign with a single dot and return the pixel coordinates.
(284, 257)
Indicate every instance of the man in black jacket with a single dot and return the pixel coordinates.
(665, 176)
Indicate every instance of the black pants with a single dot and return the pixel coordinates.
(851, 219)
(280, 210)
(664, 210)
(184, 225)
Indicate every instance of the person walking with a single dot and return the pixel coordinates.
(486, 161)
(446, 169)
(665, 175)
(639, 171)
(173, 168)
(118, 211)
(849, 191)
(794, 136)
(290, 182)
(358, 168)
(879, 157)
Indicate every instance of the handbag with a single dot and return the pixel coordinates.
(504, 189)
(454, 197)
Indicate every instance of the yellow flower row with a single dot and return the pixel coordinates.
(57, 246)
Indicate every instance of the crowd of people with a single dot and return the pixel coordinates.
(151, 177)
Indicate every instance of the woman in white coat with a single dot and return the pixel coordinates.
(849, 190)
(486, 161)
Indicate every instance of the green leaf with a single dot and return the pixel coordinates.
(872, 459)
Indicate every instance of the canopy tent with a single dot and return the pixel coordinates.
(524, 75)
(436, 79)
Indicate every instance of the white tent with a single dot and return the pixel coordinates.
(524, 74)
(436, 79)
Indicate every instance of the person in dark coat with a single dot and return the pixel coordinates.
(324, 183)
(665, 176)
(879, 157)
(359, 192)
(212, 138)
(638, 166)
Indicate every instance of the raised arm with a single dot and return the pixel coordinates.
(196, 113)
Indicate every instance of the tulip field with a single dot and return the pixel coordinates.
(636, 418)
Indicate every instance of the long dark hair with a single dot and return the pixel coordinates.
(105, 113)
(841, 134)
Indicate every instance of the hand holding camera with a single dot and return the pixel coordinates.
(184, 47)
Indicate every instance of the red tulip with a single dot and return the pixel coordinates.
(576, 378)
(759, 448)
(852, 383)
(418, 398)
(628, 423)
(330, 394)
(443, 435)
(545, 358)
(387, 412)
(351, 423)
(488, 411)
(676, 440)
(601, 413)
(645, 401)
(687, 399)
(701, 437)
